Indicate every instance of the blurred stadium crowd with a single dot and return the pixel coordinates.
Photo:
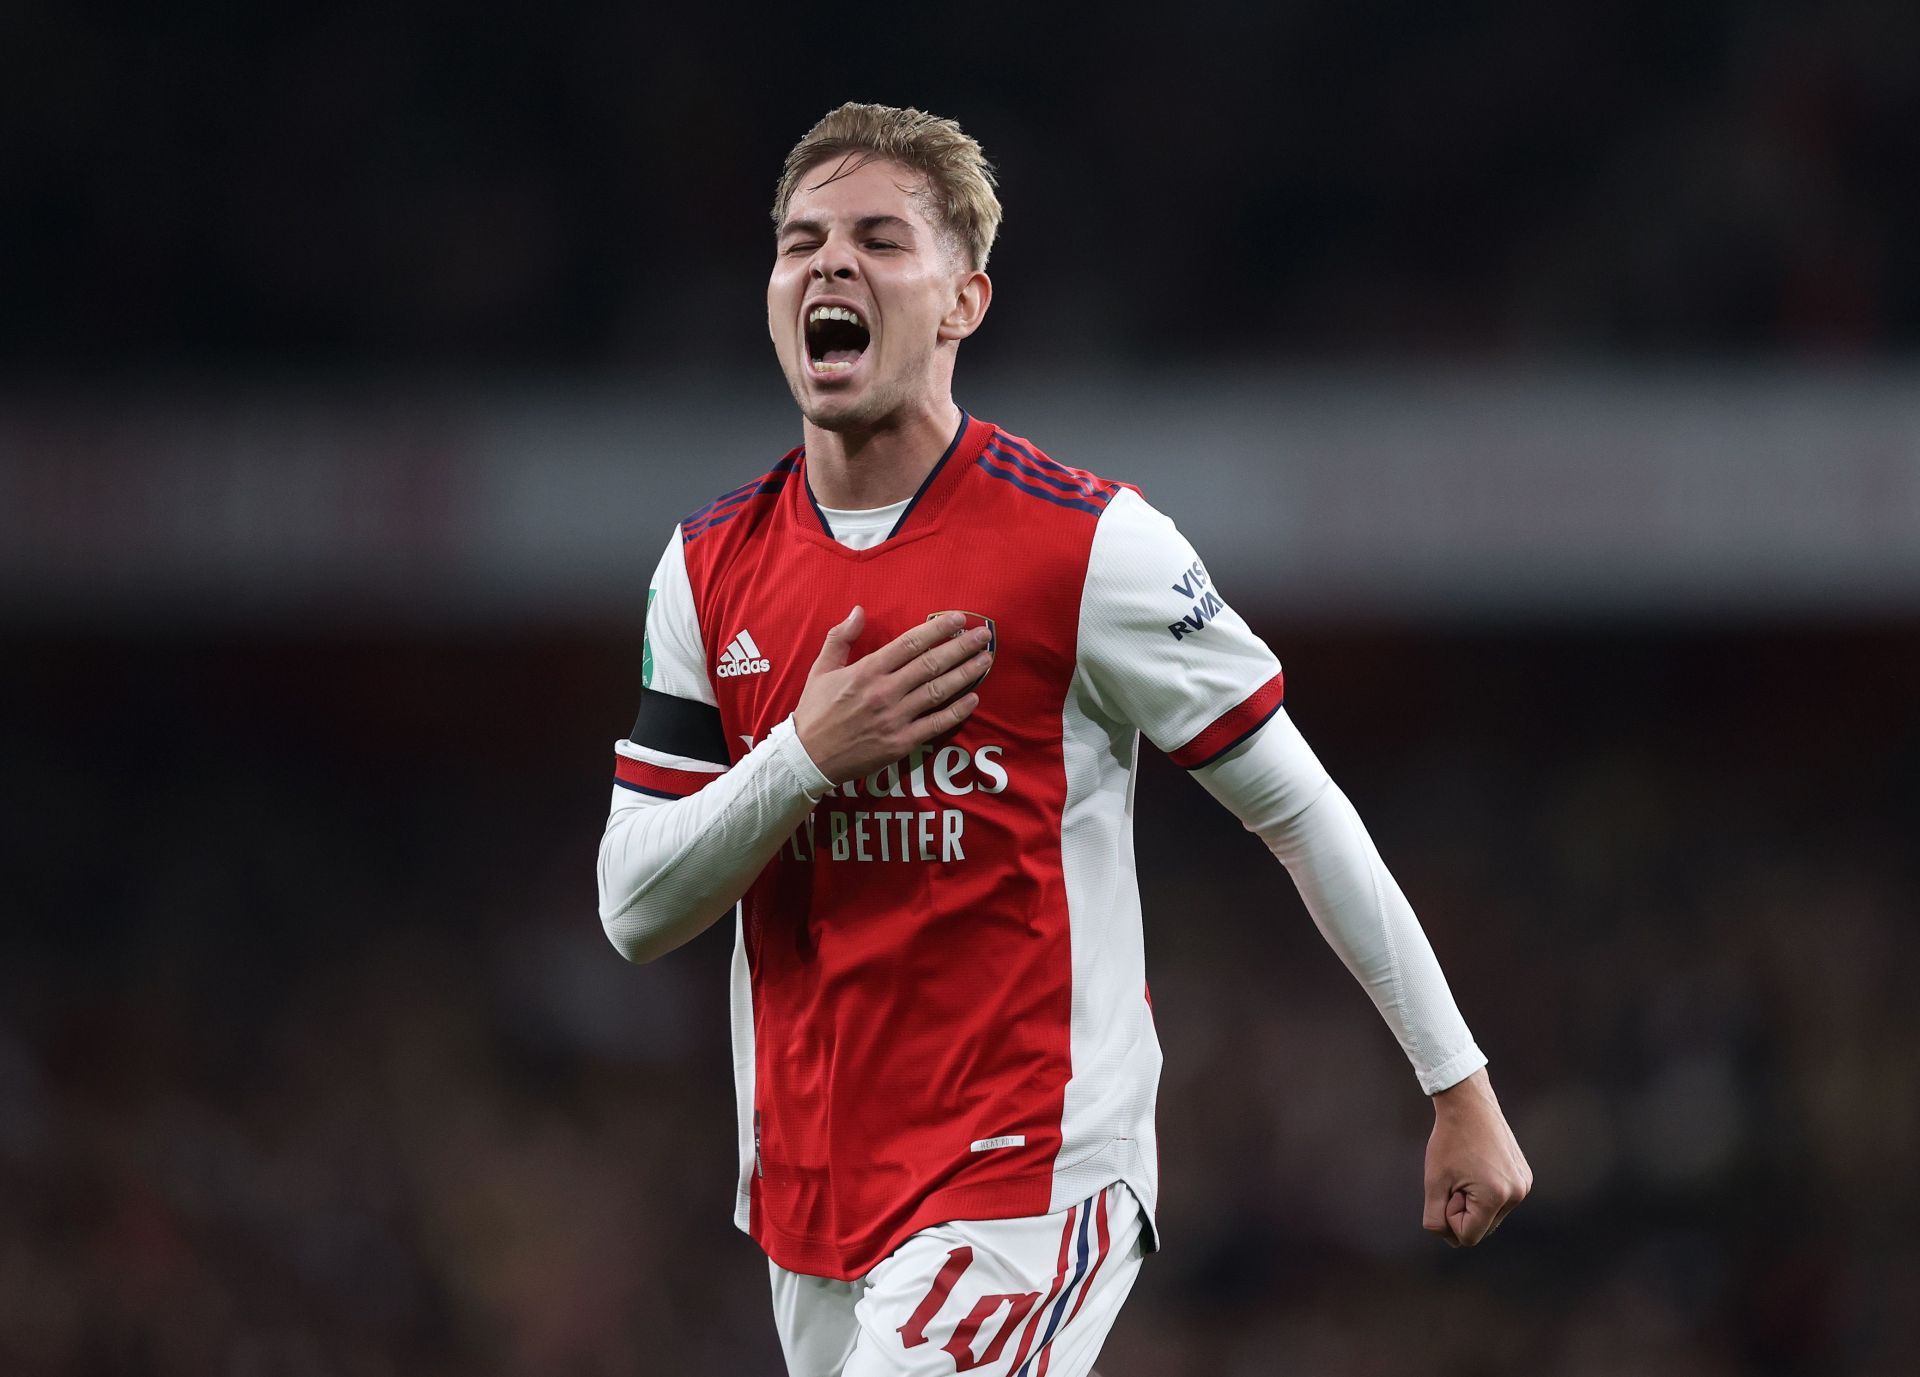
(424, 185)
(313, 1058)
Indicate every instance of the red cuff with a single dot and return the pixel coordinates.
(658, 780)
(1233, 726)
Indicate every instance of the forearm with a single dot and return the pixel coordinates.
(669, 868)
(1366, 919)
(1281, 794)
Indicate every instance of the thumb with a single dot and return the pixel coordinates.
(839, 643)
(1468, 1218)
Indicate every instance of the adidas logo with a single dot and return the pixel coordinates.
(742, 656)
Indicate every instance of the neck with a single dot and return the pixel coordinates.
(881, 465)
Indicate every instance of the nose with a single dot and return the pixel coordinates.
(835, 261)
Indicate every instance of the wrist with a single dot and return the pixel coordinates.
(1472, 1094)
(813, 778)
(815, 749)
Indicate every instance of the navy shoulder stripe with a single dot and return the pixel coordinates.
(1012, 451)
(1095, 505)
(1041, 463)
(1067, 486)
(729, 505)
(1093, 482)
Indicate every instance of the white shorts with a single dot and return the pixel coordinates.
(1001, 1297)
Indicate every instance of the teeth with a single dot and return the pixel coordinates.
(821, 366)
(833, 313)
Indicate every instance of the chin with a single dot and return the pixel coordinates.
(833, 415)
(854, 412)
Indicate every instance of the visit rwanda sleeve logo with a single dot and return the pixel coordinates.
(646, 645)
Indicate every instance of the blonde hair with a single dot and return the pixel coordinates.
(959, 179)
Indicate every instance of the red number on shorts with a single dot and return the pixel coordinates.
(914, 1332)
(961, 1344)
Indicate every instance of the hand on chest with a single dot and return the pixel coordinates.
(767, 635)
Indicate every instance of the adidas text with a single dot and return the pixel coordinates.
(741, 657)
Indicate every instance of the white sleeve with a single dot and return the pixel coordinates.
(1161, 649)
(1159, 646)
(677, 742)
(686, 835)
(1274, 784)
(674, 654)
(670, 867)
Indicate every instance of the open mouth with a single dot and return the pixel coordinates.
(836, 338)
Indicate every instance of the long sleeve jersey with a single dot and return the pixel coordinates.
(940, 1005)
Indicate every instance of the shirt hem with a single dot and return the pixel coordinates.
(1013, 1198)
(1038, 1193)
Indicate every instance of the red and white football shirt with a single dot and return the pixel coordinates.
(940, 1000)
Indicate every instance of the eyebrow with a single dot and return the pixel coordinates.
(865, 224)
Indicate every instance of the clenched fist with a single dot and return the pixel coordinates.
(1475, 1173)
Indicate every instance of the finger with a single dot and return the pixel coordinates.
(943, 659)
(916, 641)
(939, 691)
(1506, 1209)
(839, 643)
(942, 720)
(942, 656)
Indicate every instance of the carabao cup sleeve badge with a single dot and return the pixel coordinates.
(976, 619)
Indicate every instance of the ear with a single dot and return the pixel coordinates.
(969, 307)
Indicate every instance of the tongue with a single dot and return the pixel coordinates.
(840, 355)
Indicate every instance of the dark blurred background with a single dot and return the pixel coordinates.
(1541, 383)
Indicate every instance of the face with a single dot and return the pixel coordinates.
(867, 301)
